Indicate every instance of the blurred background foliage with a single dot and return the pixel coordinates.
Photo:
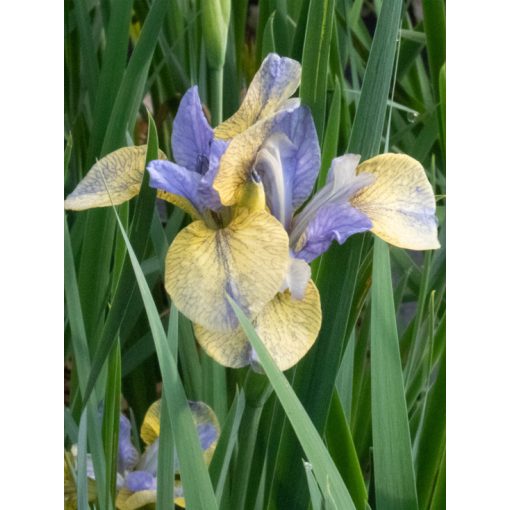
(374, 383)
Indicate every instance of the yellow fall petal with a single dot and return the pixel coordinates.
(275, 81)
(400, 203)
(127, 500)
(149, 431)
(287, 326)
(246, 259)
(122, 170)
(180, 202)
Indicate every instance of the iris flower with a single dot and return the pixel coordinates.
(137, 474)
(388, 194)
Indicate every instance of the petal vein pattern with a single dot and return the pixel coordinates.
(121, 170)
(400, 203)
(248, 259)
(287, 326)
(275, 81)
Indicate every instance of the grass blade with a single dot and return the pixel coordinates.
(343, 452)
(395, 487)
(315, 60)
(111, 418)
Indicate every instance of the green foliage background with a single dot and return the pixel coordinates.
(362, 422)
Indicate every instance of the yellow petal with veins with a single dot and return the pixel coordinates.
(400, 203)
(275, 81)
(237, 161)
(287, 326)
(246, 259)
(122, 170)
(149, 431)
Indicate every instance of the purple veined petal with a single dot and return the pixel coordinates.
(127, 454)
(288, 163)
(299, 127)
(175, 179)
(332, 222)
(191, 134)
(140, 481)
(208, 196)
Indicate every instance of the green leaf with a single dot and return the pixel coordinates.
(165, 494)
(369, 121)
(393, 467)
(81, 463)
(329, 150)
(220, 463)
(82, 363)
(110, 78)
(130, 93)
(431, 442)
(268, 40)
(315, 60)
(327, 475)
(434, 20)
(315, 492)
(111, 416)
(442, 107)
(343, 452)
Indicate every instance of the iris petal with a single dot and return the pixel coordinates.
(149, 431)
(127, 455)
(208, 428)
(127, 500)
(208, 196)
(140, 480)
(191, 133)
(246, 259)
(121, 170)
(297, 277)
(176, 185)
(236, 164)
(400, 203)
(288, 163)
(329, 215)
(332, 222)
(288, 327)
(275, 81)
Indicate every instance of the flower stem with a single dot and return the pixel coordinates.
(216, 75)
(258, 390)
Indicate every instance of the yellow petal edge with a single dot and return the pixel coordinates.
(288, 327)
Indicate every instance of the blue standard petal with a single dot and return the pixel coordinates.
(191, 134)
(288, 163)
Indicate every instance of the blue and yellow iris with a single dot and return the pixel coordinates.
(243, 183)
